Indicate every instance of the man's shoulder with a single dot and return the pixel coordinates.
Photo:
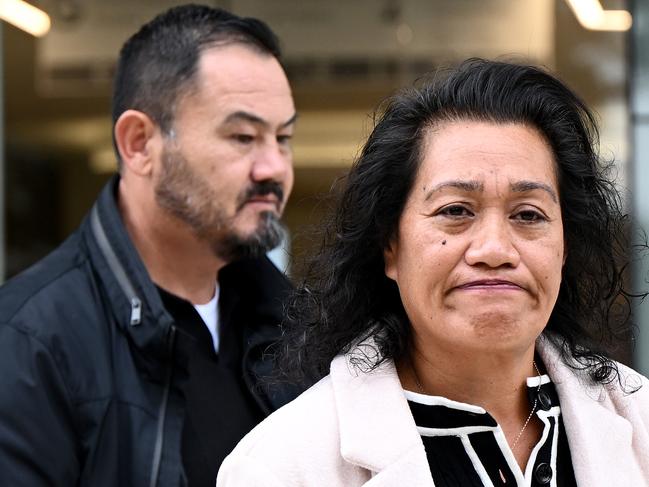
(54, 313)
(59, 281)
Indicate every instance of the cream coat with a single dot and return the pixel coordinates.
(355, 428)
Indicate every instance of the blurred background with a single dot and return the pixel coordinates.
(342, 57)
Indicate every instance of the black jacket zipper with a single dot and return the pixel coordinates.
(135, 319)
(162, 412)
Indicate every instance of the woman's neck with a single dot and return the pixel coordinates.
(486, 379)
(497, 382)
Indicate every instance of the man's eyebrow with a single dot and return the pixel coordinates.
(255, 119)
(468, 186)
(524, 186)
(290, 121)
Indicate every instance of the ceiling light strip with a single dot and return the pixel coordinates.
(25, 17)
(592, 16)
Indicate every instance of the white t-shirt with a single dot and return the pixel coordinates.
(209, 313)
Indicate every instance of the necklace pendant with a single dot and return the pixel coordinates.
(502, 477)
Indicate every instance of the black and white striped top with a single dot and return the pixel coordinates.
(466, 447)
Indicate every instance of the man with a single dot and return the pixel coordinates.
(116, 368)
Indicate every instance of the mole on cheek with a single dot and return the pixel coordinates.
(443, 242)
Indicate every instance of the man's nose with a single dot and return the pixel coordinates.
(273, 161)
(492, 243)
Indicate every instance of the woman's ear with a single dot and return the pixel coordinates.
(390, 254)
(135, 133)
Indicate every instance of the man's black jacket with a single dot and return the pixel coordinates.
(87, 355)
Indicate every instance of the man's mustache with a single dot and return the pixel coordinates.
(262, 189)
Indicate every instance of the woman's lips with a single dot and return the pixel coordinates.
(490, 284)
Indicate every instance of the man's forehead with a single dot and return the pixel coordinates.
(239, 70)
(250, 117)
(236, 63)
(236, 82)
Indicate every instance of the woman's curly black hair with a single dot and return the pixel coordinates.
(346, 296)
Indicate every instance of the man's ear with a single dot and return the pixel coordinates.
(136, 136)
(390, 260)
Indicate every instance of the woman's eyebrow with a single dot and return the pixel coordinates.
(524, 186)
(465, 185)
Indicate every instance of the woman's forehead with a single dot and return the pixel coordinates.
(479, 152)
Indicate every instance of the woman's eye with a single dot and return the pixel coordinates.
(455, 211)
(529, 216)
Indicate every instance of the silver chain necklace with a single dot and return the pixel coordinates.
(536, 402)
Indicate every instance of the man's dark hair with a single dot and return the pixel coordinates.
(346, 295)
(158, 64)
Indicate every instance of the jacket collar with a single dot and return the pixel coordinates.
(131, 295)
(377, 431)
(253, 293)
(596, 433)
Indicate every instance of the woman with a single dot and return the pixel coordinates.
(463, 298)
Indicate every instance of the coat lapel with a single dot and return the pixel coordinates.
(377, 431)
(600, 439)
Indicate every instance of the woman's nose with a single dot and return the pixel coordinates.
(492, 243)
